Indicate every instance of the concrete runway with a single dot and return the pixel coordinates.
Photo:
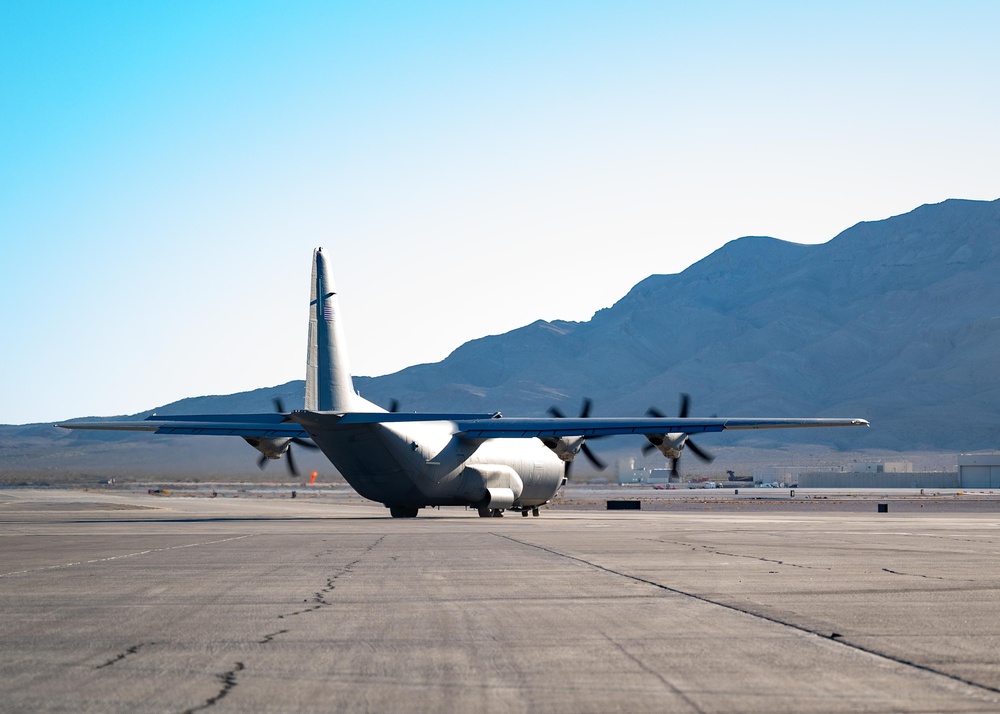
(129, 602)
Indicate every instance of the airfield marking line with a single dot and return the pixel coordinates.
(119, 557)
(835, 638)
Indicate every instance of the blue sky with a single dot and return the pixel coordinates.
(166, 168)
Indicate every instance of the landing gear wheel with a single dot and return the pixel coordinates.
(534, 512)
(485, 512)
(498, 513)
(524, 512)
(403, 512)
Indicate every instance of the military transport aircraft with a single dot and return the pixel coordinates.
(413, 461)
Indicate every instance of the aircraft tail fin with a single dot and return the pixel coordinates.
(329, 386)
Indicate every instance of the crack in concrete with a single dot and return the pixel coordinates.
(928, 577)
(122, 655)
(710, 549)
(835, 637)
(228, 680)
(270, 637)
(649, 670)
(319, 597)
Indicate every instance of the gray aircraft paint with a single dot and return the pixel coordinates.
(411, 461)
(417, 463)
(328, 373)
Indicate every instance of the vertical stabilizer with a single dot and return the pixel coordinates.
(328, 376)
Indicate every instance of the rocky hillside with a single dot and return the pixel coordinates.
(896, 321)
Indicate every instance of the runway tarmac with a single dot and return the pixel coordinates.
(129, 602)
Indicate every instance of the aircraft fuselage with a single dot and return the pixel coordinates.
(419, 464)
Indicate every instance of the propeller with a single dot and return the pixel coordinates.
(591, 456)
(279, 406)
(688, 443)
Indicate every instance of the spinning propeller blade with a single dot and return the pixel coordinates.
(591, 456)
(685, 408)
(279, 406)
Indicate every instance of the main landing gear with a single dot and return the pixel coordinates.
(498, 512)
(403, 511)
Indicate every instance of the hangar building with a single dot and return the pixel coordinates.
(878, 474)
(979, 470)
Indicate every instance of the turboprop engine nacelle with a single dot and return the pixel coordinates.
(566, 447)
(670, 445)
(271, 448)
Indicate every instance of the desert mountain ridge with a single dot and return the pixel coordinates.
(896, 321)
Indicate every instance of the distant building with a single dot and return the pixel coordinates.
(660, 476)
(979, 471)
(878, 479)
(861, 474)
(779, 474)
(628, 472)
(880, 467)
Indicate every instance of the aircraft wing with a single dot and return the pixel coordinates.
(268, 426)
(493, 426)
(474, 426)
(603, 426)
(272, 425)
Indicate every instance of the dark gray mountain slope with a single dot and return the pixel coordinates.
(897, 321)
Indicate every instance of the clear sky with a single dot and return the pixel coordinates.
(166, 168)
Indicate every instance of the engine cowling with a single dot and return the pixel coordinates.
(670, 445)
(566, 447)
(271, 448)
